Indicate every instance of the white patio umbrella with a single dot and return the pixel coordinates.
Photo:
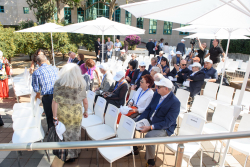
(212, 36)
(232, 14)
(45, 28)
(102, 26)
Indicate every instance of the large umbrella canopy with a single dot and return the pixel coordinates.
(102, 26)
(45, 28)
(222, 13)
(213, 36)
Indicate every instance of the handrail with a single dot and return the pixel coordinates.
(124, 142)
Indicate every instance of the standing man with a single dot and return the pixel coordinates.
(135, 82)
(43, 80)
(181, 47)
(201, 52)
(150, 47)
(215, 52)
(97, 48)
(109, 48)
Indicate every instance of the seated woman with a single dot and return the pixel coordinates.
(69, 94)
(89, 68)
(80, 58)
(164, 66)
(130, 72)
(117, 95)
(133, 56)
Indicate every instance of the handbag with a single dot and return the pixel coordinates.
(53, 137)
(130, 114)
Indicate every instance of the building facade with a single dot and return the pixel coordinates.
(12, 12)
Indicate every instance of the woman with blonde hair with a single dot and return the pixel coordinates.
(69, 93)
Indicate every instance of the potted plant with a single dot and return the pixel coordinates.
(133, 41)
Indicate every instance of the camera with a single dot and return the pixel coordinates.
(192, 41)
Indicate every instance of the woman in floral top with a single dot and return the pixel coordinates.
(4, 88)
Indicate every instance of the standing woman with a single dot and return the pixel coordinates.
(118, 46)
(89, 68)
(69, 94)
(125, 47)
(81, 59)
(5, 70)
(34, 64)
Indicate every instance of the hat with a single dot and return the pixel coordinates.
(164, 82)
(119, 75)
(183, 40)
(195, 64)
(209, 61)
(161, 52)
(178, 53)
(104, 66)
(123, 50)
(142, 63)
(196, 58)
(60, 129)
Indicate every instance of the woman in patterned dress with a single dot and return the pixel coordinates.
(4, 88)
(69, 94)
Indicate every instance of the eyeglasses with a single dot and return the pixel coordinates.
(184, 64)
(141, 81)
(143, 66)
(159, 87)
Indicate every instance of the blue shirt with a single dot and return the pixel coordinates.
(43, 79)
(118, 45)
(177, 60)
(210, 74)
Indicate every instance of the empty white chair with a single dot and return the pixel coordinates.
(30, 105)
(183, 97)
(91, 100)
(107, 130)
(125, 130)
(189, 127)
(200, 106)
(96, 119)
(210, 90)
(243, 68)
(240, 62)
(233, 66)
(224, 96)
(244, 103)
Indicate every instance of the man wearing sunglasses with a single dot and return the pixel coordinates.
(180, 72)
(135, 82)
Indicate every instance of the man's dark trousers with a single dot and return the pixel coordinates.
(47, 106)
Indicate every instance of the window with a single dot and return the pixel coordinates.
(26, 10)
(116, 15)
(128, 18)
(67, 15)
(167, 28)
(1, 9)
(80, 15)
(183, 33)
(152, 26)
(139, 23)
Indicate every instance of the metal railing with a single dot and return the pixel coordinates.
(128, 142)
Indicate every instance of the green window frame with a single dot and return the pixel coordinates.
(67, 15)
(128, 18)
(152, 26)
(139, 23)
(167, 28)
(80, 15)
(183, 33)
(26, 10)
(117, 15)
(1, 9)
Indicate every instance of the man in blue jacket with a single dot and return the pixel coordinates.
(161, 113)
(181, 47)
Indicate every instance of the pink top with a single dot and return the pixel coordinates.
(88, 71)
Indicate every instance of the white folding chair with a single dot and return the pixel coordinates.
(233, 66)
(210, 91)
(183, 97)
(125, 130)
(108, 129)
(224, 96)
(240, 62)
(91, 100)
(96, 119)
(189, 127)
(219, 125)
(245, 101)
(243, 68)
(199, 107)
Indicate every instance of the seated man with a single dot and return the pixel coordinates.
(153, 64)
(123, 56)
(181, 73)
(176, 59)
(195, 60)
(196, 80)
(211, 74)
(162, 113)
(154, 71)
(135, 82)
(107, 80)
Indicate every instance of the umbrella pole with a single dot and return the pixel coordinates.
(102, 48)
(53, 54)
(225, 61)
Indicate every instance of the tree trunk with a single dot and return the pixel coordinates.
(58, 11)
(30, 56)
(111, 11)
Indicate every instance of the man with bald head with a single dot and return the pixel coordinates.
(180, 72)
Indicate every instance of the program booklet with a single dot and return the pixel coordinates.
(143, 122)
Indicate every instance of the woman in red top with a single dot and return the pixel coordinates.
(130, 71)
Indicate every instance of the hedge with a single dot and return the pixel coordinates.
(237, 46)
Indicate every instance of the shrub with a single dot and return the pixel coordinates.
(237, 46)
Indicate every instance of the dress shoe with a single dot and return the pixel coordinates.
(147, 165)
(136, 152)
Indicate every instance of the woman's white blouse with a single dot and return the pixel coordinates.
(145, 99)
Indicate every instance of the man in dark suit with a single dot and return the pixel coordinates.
(73, 57)
(180, 72)
(135, 82)
(150, 47)
(181, 47)
(153, 63)
(97, 47)
(196, 79)
(161, 113)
